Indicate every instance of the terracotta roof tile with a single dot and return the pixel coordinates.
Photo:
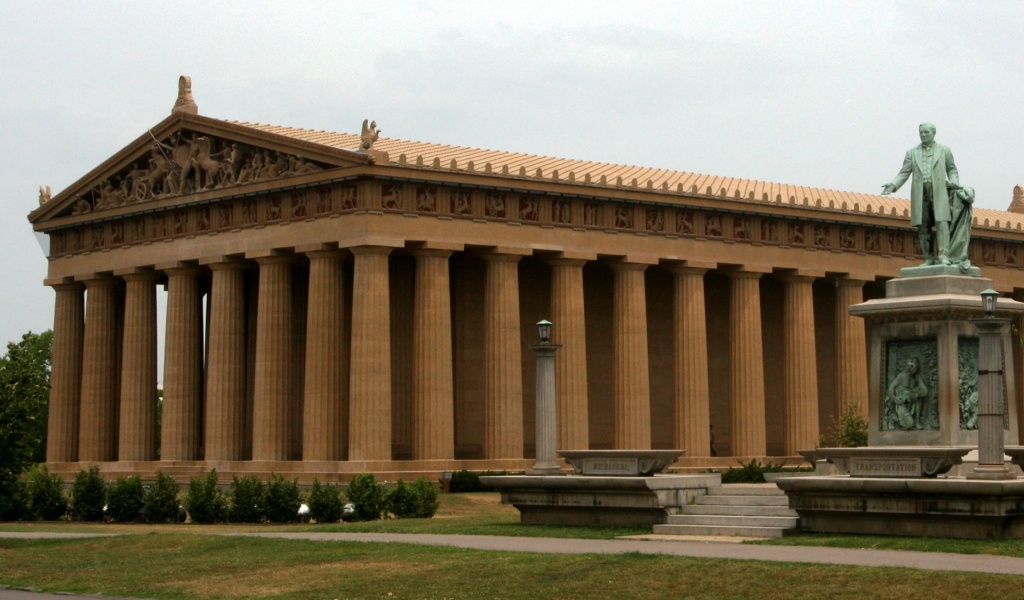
(714, 185)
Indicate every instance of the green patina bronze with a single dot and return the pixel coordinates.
(967, 359)
(936, 200)
(911, 398)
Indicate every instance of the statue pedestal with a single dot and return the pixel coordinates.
(924, 318)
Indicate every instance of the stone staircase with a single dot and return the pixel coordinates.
(740, 510)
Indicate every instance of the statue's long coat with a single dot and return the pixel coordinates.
(942, 167)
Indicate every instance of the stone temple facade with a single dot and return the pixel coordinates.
(341, 303)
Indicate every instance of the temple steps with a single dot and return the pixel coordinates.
(735, 510)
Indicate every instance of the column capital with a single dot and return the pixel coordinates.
(97, 280)
(280, 259)
(431, 253)
(184, 271)
(65, 284)
(138, 274)
(674, 263)
(566, 262)
(627, 266)
(504, 250)
(687, 270)
(742, 274)
(630, 259)
(209, 261)
(500, 257)
(358, 250)
(325, 253)
(796, 278)
(228, 265)
(853, 278)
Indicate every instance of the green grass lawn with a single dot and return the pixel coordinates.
(204, 566)
(922, 544)
(183, 561)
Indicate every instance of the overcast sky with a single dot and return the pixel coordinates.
(823, 94)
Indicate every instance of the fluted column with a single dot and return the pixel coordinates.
(183, 366)
(137, 439)
(569, 331)
(272, 401)
(800, 365)
(433, 389)
(97, 437)
(325, 395)
(690, 350)
(851, 349)
(225, 377)
(370, 375)
(631, 386)
(503, 365)
(746, 398)
(65, 373)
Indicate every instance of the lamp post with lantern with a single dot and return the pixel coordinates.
(991, 393)
(547, 423)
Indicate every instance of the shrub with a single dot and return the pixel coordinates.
(283, 499)
(13, 499)
(325, 502)
(464, 481)
(204, 501)
(402, 501)
(428, 501)
(125, 499)
(368, 497)
(87, 495)
(160, 504)
(248, 500)
(415, 501)
(752, 472)
(46, 497)
(848, 430)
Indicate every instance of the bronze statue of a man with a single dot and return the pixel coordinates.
(935, 175)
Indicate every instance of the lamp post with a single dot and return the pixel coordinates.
(547, 423)
(991, 396)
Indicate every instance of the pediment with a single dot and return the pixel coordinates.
(186, 157)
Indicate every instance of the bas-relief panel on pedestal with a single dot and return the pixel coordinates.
(967, 360)
(911, 391)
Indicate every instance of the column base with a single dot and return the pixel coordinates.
(991, 473)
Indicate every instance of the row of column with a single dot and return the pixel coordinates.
(103, 398)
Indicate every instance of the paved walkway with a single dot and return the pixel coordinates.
(935, 561)
(668, 545)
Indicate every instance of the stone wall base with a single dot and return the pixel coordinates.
(602, 501)
(304, 471)
(943, 507)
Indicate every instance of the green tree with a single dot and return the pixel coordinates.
(24, 392)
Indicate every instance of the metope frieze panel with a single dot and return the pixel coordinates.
(655, 220)
(529, 208)
(227, 215)
(187, 162)
(910, 385)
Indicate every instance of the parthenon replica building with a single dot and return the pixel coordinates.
(341, 303)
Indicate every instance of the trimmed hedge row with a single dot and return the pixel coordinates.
(41, 496)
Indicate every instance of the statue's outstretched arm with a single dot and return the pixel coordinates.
(901, 177)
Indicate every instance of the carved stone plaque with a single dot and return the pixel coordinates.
(610, 466)
(863, 466)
